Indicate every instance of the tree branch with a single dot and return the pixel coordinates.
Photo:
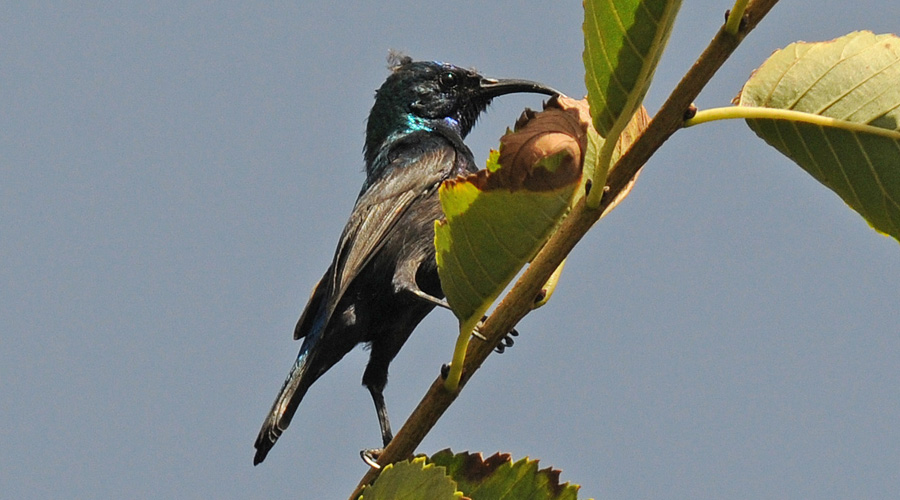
(518, 302)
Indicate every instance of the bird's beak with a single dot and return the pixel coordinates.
(490, 88)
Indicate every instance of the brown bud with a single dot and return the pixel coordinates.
(557, 136)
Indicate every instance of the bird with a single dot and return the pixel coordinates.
(383, 279)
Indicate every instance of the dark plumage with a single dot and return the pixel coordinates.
(383, 279)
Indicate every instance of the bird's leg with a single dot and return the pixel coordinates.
(405, 280)
(370, 456)
(381, 410)
(409, 284)
(430, 298)
(505, 342)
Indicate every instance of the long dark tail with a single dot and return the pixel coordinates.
(293, 390)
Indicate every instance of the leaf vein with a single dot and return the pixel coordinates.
(849, 91)
(840, 167)
(477, 261)
(886, 195)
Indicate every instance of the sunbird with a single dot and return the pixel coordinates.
(383, 279)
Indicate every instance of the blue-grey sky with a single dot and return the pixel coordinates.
(173, 180)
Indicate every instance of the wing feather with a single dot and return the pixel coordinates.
(414, 170)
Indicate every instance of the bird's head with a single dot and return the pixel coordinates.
(424, 95)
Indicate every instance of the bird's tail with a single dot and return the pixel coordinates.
(293, 390)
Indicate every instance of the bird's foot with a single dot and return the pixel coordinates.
(370, 457)
(506, 342)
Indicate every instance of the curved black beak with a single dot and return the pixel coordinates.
(490, 88)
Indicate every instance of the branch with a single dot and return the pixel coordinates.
(519, 301)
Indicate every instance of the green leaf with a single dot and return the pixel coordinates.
(842, 118)
(412, 480)
(488, 237)
(623, 42)
(496, 220)
(499, 478)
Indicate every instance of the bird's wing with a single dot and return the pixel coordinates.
(413, 170)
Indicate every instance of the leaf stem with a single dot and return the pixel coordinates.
(733, 23)
(760, 113)
(459, 352)
(601, 169)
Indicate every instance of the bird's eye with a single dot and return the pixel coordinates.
(449, 79)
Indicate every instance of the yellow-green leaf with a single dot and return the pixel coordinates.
(496, 220)
(482, 248)
(842, 119)
(412, 480)
(499, 478)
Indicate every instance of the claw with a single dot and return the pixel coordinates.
(370, 457)
(506, 341)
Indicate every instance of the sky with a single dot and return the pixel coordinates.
(173, 181)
